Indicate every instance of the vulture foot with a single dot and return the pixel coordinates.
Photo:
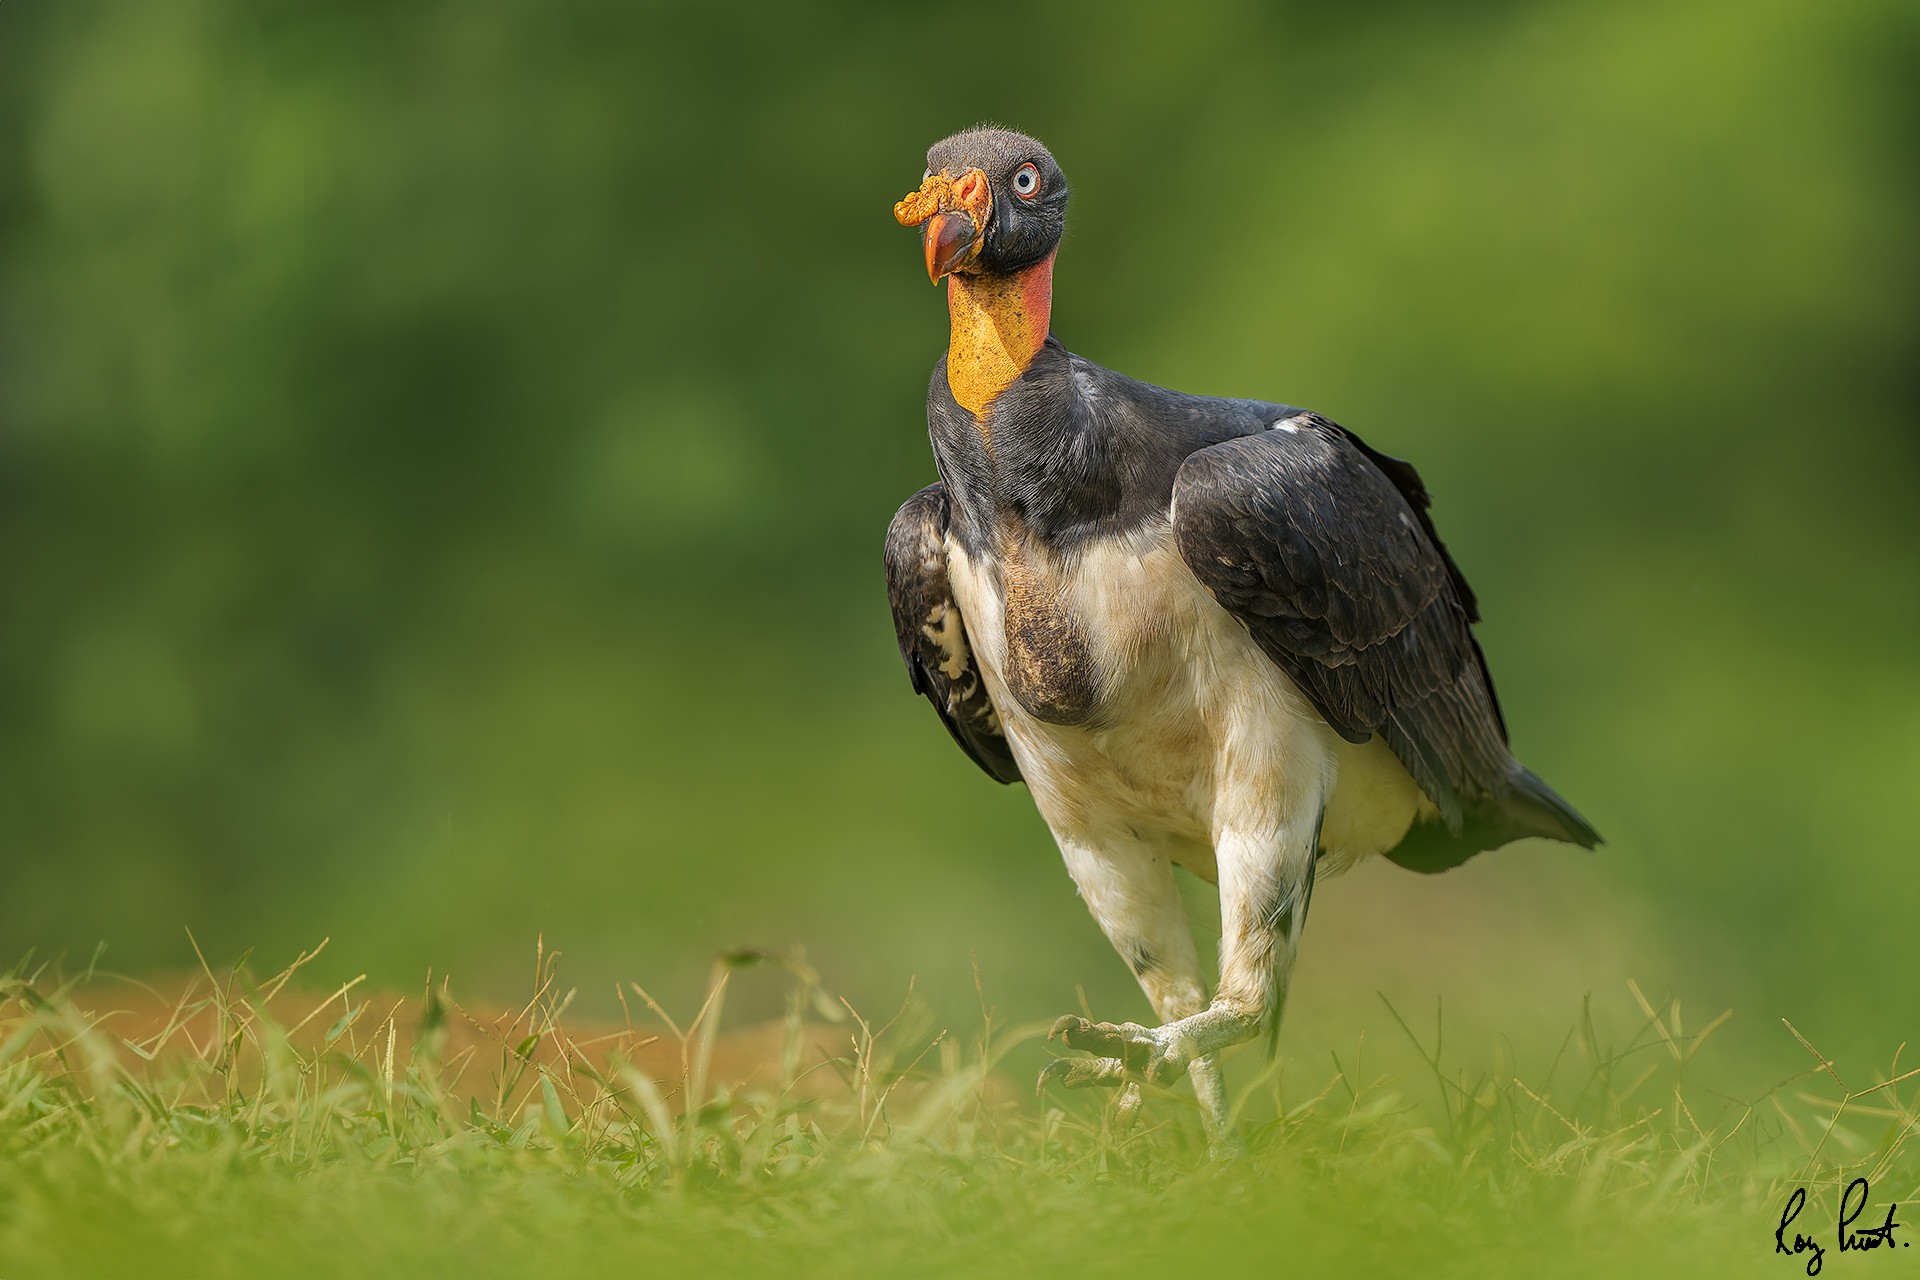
(1126, 1053)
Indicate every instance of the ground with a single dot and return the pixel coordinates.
(230, 1125)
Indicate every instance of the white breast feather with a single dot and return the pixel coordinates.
(1200, 731)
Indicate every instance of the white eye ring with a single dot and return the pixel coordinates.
(1026, 181)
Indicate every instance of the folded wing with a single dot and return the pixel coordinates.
(933, 635)
(1323, 549)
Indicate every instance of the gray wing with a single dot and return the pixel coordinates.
(1323, 550)
(933, 636)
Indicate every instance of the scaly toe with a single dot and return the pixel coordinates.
(1157, 1054)
(1082, 1073)
(1127, 1040)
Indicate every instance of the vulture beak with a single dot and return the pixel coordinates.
(952, 214)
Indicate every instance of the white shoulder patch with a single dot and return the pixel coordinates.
(1083, 381)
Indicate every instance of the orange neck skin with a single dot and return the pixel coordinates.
(999, 322)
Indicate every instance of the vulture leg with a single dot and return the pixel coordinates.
(1130, 889)
(1266, 881)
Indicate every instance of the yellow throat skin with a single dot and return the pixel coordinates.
(998, 321)
(998, 324)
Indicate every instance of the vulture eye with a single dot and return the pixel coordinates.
(1026, 181)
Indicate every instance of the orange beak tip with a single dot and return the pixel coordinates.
(951, 240)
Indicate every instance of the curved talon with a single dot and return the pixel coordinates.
(1067, 1022)
(1082, 1073)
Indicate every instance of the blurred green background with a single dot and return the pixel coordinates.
(445, 448)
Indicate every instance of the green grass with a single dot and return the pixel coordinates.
(362, 1143)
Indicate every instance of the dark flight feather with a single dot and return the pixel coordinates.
(1323, 549)
(923, 609)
